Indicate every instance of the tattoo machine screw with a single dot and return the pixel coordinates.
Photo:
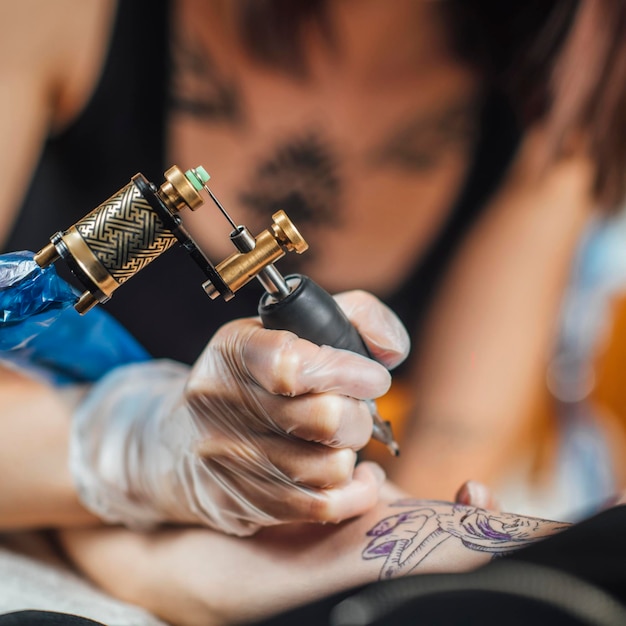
(294, 303)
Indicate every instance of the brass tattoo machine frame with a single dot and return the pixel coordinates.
(140, 222)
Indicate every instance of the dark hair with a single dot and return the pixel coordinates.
(559, 61)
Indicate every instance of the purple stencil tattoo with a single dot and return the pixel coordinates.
(487, 531)
(404, 540)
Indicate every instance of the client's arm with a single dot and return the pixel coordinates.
(196, 576)
(36, 486)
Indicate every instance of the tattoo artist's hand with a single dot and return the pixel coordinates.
(263, 430)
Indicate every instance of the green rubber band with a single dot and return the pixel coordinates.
(197, 177)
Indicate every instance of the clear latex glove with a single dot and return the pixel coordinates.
(264, 429)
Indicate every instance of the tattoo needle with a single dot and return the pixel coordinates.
(202, 176)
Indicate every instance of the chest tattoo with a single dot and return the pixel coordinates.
(301, 177)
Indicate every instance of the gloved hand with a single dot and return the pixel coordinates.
(263, 429)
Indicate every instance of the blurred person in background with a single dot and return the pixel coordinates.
(445, 156)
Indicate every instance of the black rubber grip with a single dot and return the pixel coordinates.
(311, 313)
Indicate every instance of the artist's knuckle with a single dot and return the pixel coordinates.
(320, 509)
(339, 465)
(236, 332)
(358, 300)
(362, 417)
(284, 365)
(300, 503)
(326, 418)
(195, 394)
(364, 298)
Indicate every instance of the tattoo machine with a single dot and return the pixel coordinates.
(137, 224)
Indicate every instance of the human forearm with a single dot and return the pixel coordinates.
(197, 576)
(486, 347)
(36, 485)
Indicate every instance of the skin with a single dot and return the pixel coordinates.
(491, 327)
(461, 414)
(186, 576)
(36, 493)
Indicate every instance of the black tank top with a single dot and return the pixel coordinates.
(121, 132)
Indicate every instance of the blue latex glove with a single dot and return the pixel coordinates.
(40, 330)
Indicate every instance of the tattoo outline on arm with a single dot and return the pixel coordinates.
(405, 539)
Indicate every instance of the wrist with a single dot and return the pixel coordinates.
(38, 490)
(115, 447)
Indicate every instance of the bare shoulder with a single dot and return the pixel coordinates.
(51, 53)
(57, 47)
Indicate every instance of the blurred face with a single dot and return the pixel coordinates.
(365, 153)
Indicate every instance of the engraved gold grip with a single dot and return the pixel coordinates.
(120, 237)
(124, 235)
